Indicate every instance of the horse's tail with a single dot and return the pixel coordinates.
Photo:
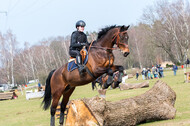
(47, 96)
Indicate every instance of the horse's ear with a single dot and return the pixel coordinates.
(127, 27)
(124, 28)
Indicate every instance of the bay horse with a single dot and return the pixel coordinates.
(61, 82)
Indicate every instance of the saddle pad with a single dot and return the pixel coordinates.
(72, 65)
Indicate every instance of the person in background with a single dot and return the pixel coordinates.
(187, 63)
(39, 87)
(146, 74)
(161, 71)
(175, 68)
(182, 66)
(152, 75)
(158, 70)
(154, 71)
(143, 73)
(137, 75)
(149, 73)
(125, 76)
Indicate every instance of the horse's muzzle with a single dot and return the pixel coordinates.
(125, 54)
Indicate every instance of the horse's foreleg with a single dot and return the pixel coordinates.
(109, 80)
(64, 102)
(117, 68)
(110, 77)
(55, 102)
(120, 69)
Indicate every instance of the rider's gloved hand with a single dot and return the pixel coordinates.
(83, 44)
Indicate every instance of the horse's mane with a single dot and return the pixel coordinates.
(103, 31)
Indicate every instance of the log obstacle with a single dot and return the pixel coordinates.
(155, 104)
(7, 95)
(130, 76)
(127, 86)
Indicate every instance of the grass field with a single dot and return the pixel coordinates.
(22, 112)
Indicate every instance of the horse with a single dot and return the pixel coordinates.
(61, 82)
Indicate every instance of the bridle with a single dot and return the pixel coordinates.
(117, 37)
(118, 42)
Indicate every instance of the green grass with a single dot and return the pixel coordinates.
(22, 112)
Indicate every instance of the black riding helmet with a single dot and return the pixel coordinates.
(80, 23)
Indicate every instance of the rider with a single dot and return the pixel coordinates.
(78, 40)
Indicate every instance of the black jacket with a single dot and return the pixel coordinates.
(76, 39)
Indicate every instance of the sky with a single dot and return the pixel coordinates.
(34, 20)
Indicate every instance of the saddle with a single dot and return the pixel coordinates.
(72, 65)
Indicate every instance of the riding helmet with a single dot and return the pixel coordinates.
(80, 23)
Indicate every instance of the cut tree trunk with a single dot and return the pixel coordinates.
(126, 86)
(155, 104)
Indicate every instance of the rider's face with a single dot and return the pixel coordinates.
(80, 28)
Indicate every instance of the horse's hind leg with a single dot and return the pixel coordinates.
(56, 97)
(64, 102)
(121, 69)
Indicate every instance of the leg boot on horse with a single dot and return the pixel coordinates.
(110, 79)
(66, 95)
(120, 74)
(115, 85)
(52, 121)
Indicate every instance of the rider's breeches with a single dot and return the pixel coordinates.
(74, 53)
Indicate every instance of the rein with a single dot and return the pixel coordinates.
(104, 48)
(116, 36)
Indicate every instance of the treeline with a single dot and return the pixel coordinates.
(163, 34)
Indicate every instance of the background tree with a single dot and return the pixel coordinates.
(170, 24)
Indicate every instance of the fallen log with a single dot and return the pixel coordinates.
(127, 86)
(130, 76)
(155, 104)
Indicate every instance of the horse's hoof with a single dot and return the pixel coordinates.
(117, 85)
(105, 86)
(119, 81)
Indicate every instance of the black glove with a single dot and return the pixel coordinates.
(83, 44)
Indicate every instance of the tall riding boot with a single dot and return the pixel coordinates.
(80, 66)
